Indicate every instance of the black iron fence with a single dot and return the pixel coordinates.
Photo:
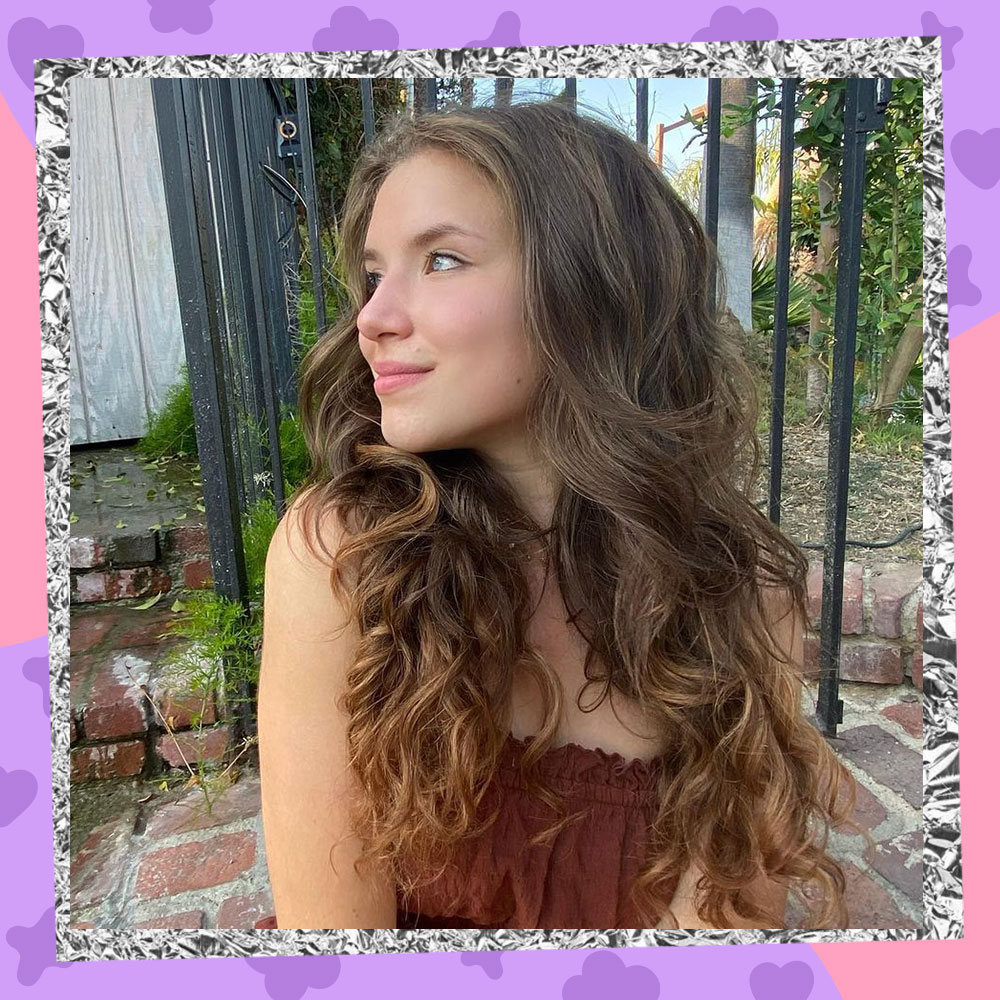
(237, 159)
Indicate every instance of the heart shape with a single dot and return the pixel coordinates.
(793, 981)
(977, 156)
(17, 791)
(29, 39)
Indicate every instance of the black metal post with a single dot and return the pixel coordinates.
(642, 111)
(430, 94)
(502, 90)
(367, 110)
(864, 111)
(781, 265)
(569, 92)
(309, 193)
(713, 139)
(260, 340)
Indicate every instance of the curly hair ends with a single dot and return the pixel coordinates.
(646, 410)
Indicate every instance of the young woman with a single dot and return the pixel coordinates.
(532, 656)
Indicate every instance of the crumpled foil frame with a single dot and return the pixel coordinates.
(903, 57)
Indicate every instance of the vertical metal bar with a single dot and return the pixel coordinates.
(642, 111)
(861, 115)
(367, 110)
(569, 92)
(781, 266)
(183, 158)
(259, 338)
(430, 94)
(309, 193)
(502, 90)
(713, 140)
(240, 376)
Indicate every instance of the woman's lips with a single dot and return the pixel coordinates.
(387, 383)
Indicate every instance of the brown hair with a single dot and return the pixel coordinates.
(646, 409)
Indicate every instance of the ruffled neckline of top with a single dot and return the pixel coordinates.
(589, 771)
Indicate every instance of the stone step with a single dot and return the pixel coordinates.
(132, 708)
(128, 563)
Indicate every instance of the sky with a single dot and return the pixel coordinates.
(616, 96)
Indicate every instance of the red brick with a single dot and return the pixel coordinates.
(181, 709)
(899, 861)
(86, 553)
(87, 629)
(909, 714)
(852, 605)
(81, 670)
(118, 584)
(177, 921)
(197, 574)
(107, 760)
(872, 662)
(810, 657)
(96, 867)
(868, 904)
(72, 730)
(237, 802)
(190, 539)
(917, 669)
(197, 865)
(891, 584)
(244, 911)
(885, 759)
(203, 745)
(115, 706)
(868, 811)
(144, 628)
(83, 925)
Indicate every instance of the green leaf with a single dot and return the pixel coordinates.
(148, 604)
(120, 524)
(178, 605)
(73, 517)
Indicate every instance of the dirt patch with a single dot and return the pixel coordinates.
(885, 495)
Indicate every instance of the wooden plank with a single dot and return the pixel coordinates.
(157, 310)
(109, 360)
(79, 432)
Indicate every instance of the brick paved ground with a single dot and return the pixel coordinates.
(169, 863)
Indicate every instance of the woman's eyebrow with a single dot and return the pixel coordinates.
(428, 235)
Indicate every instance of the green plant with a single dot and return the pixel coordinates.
(171, 431)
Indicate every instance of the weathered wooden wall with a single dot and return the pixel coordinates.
(127, 345)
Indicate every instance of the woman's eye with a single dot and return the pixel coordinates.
(371, 282)
(443, 256)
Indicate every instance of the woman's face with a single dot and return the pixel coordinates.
(446, 297)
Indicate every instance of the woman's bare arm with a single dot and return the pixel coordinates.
(306, 784)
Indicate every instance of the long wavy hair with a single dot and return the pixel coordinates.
(646, 410)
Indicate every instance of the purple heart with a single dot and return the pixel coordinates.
(961, 290)
(36, 670)
(287, 978)
(730, 24)
(350, 28)
(930, 25)
(192, 16)
(29, 39)
(36, 948)
(793, 981)
(977, 155)
(506, 32)
(606, 975)
(489, 961)
(17, 791)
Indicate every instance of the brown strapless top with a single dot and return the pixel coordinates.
(581, 878)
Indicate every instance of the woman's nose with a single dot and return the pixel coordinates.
(384, 312)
